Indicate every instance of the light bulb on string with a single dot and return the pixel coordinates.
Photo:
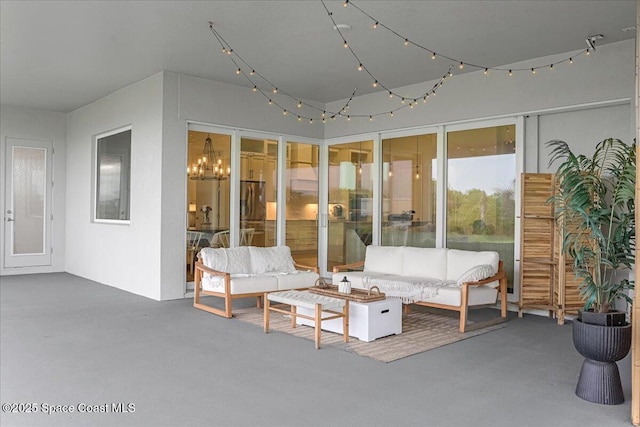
(510, 73)
(370, 118)
(588, 52)
(406, 42)
(252, 72)
(461, 66)
(391, 113)
(570, 60)
(299, 118)
(486, 71)
(533, 71)
(375, 25)
(284, 112)
(375, 84)
(346, 2)
(238, 71)
(270, 102)
(346, 45)
(299, 104)
(275, 90)
(390, 94)
(360, 67)
(551, 67)
(255, 88)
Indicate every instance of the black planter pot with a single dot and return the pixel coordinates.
(602, 347)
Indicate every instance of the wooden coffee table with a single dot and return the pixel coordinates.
(317, 308)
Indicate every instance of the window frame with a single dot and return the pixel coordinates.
(126, 174)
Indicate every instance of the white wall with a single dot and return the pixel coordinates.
(123, 256)
(45, 126)
(187, 98)
(608, 74)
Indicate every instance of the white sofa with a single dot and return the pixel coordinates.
(444, 278)
(247, 271)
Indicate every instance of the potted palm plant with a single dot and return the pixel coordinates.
(595, 206)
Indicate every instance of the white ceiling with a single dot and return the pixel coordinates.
(60, 55)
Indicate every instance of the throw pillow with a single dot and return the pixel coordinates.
(478, 272)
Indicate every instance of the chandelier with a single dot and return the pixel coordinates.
(209, 165)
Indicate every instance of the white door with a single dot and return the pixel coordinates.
(27, 216)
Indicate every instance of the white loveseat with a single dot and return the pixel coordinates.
(247, 271)
(444, 278)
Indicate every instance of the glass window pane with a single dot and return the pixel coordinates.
(29, 172)
(481, 169)
(350, 202)
(208, 197)
(302, 202)
(258, 182)
(409, 191)
(112, 183)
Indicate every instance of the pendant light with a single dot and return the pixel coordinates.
(417, 163)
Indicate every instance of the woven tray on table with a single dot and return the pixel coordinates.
(357, 295)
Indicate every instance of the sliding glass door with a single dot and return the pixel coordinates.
(350, 207)
(409, 187)
(302, 194)
(481, 188)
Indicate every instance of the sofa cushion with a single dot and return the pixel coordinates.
(425, 262)
(241, 283)
(384, 259)
(476, 273)
(452, 295)
(228, 260)
(459, 261)
(296, 280)
(275, 258)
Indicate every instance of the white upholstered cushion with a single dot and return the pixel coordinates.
(296, 280)
(228, 260)
(241, 284)
(384, 259)
(452, 295)
(275, 258)
(459, 261)
(425, 262)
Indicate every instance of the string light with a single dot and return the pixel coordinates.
(236, 59)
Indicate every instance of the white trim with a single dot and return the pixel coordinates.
(94, 185)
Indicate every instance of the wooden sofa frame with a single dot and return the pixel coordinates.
(200, 268)
(463, 309)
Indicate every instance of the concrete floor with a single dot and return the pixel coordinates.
(70, 341)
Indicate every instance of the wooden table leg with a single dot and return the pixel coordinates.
(294, 313)
(318, 324)
(345, 321)
(266, 315)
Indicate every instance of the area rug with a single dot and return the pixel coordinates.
(421, 331)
